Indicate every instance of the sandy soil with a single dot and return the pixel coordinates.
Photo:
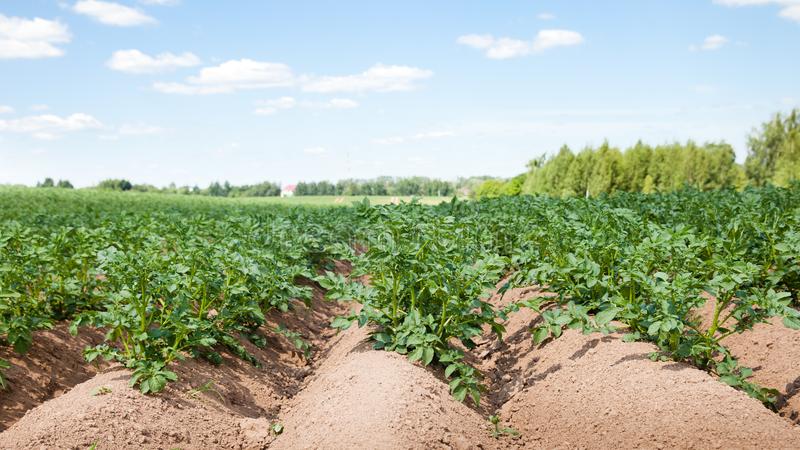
(773, 352)
(576, 391)
(597, 392)
(362, 398)
(52, 366)
(226, 406)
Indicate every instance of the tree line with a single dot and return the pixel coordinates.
(420, 186)
(410, 186)
(773, 158)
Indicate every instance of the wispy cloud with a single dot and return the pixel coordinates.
(789, 9)
(115, 14)
(378, 78)
(244, 74)
(270, 107)
(713, 42)
(31, 38)
(137, 62)
(545, 16)
(50, 126)
(6, 109)
(232, 76)
(133, 130)
(505, 48)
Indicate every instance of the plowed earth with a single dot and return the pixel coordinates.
(574, 392)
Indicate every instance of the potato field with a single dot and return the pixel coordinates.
(156, 321)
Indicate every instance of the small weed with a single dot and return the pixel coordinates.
(206, 387)
(101, 390)
(498, 431)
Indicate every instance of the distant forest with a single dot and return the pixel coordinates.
(773, 158)
(410, 186)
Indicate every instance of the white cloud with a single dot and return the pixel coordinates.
(232, 76)
(49, 126)
(546, 39)
(427, 135)
(378, 78)
(269, 107)
(134, 61)
(545, 16)
(6, 109)
(110, 13)
(315, 150)
(790, 9)
(791, 13)
(31, 38)
(505, 48)
(713, 42)
(133, 129)
(40, 107)
(235, 75)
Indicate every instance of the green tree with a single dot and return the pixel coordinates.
(773, 155)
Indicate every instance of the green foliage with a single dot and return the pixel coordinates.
(774, 152)
(490, 189)
(497, 430)
(169, 277)
(646, 262)
(426, 288)
(115, 185)
(641, 168)
(156, 277)
(419, 186)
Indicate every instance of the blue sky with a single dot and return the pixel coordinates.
(194, 91)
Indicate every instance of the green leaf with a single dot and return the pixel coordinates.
(460, 393)
(630, 337)
(606, 316)
(654, 328)
(731, 380)
(427, 356)
(792, 322)
(416, 354)
(540, 335)
(341, 323)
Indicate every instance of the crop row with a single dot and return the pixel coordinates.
(169, 277)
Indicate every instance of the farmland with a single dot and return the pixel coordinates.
(159, 321)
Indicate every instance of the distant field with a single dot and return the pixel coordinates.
(337, 200)
(10, 195)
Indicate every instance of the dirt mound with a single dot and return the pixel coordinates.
(773, 352)
(52, 365)
(597, 391)
(362, 398)
(226, 406)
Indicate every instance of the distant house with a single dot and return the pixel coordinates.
(288, 190)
